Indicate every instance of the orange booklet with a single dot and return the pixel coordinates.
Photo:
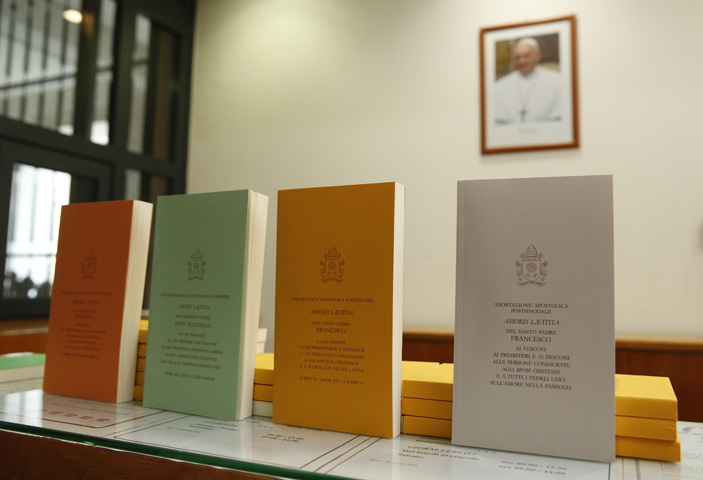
(96, 300)
(339, 272)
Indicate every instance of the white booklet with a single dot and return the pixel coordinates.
(534, 353)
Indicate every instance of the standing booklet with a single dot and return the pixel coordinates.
(339, 300)
(205, 301)
(534, 354)
(96, 300)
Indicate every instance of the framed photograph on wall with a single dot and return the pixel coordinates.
(529, 95)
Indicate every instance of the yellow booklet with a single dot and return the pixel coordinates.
(138, 392)
(143, 330)
(435, 383)
(433, 427)
(645, 396)
(263, 369)
(411, 367)
(338, 337)
(263, 393)
(424, 407)
(664, 450)
(654, 428)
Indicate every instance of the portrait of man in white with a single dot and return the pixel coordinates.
(531, 92)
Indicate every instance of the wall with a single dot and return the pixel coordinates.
(328, 92)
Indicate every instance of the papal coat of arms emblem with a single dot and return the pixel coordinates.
(532, 269)
(332, 265)
(89, 266)
(196, 266)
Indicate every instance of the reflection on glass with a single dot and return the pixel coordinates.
(35, 210)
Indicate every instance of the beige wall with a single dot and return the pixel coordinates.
(305, 93)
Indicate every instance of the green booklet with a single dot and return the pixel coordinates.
(20, 366)
(205, 301)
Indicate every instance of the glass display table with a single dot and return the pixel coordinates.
(62, 437)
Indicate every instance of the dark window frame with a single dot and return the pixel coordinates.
(106, 165)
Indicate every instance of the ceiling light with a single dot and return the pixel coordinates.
(73, 16)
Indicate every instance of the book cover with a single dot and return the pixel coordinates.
(96, 300)
(338, 336)
(534, 333)
(645, 396)
(264, 368)
(436, 383)
(205, 302)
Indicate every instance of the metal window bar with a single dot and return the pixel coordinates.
(33, 63)
(62, 64)
(25, 59)
(44, 62)
(12, 14)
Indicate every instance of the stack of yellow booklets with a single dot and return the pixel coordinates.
(427, 401)
(263, 380)
(263, 385)
(646, 411)
(410, 368)
(141, 360)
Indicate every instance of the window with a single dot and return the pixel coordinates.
(91, 109)
(35, 208)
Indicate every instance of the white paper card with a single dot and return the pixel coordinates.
(534, 355)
